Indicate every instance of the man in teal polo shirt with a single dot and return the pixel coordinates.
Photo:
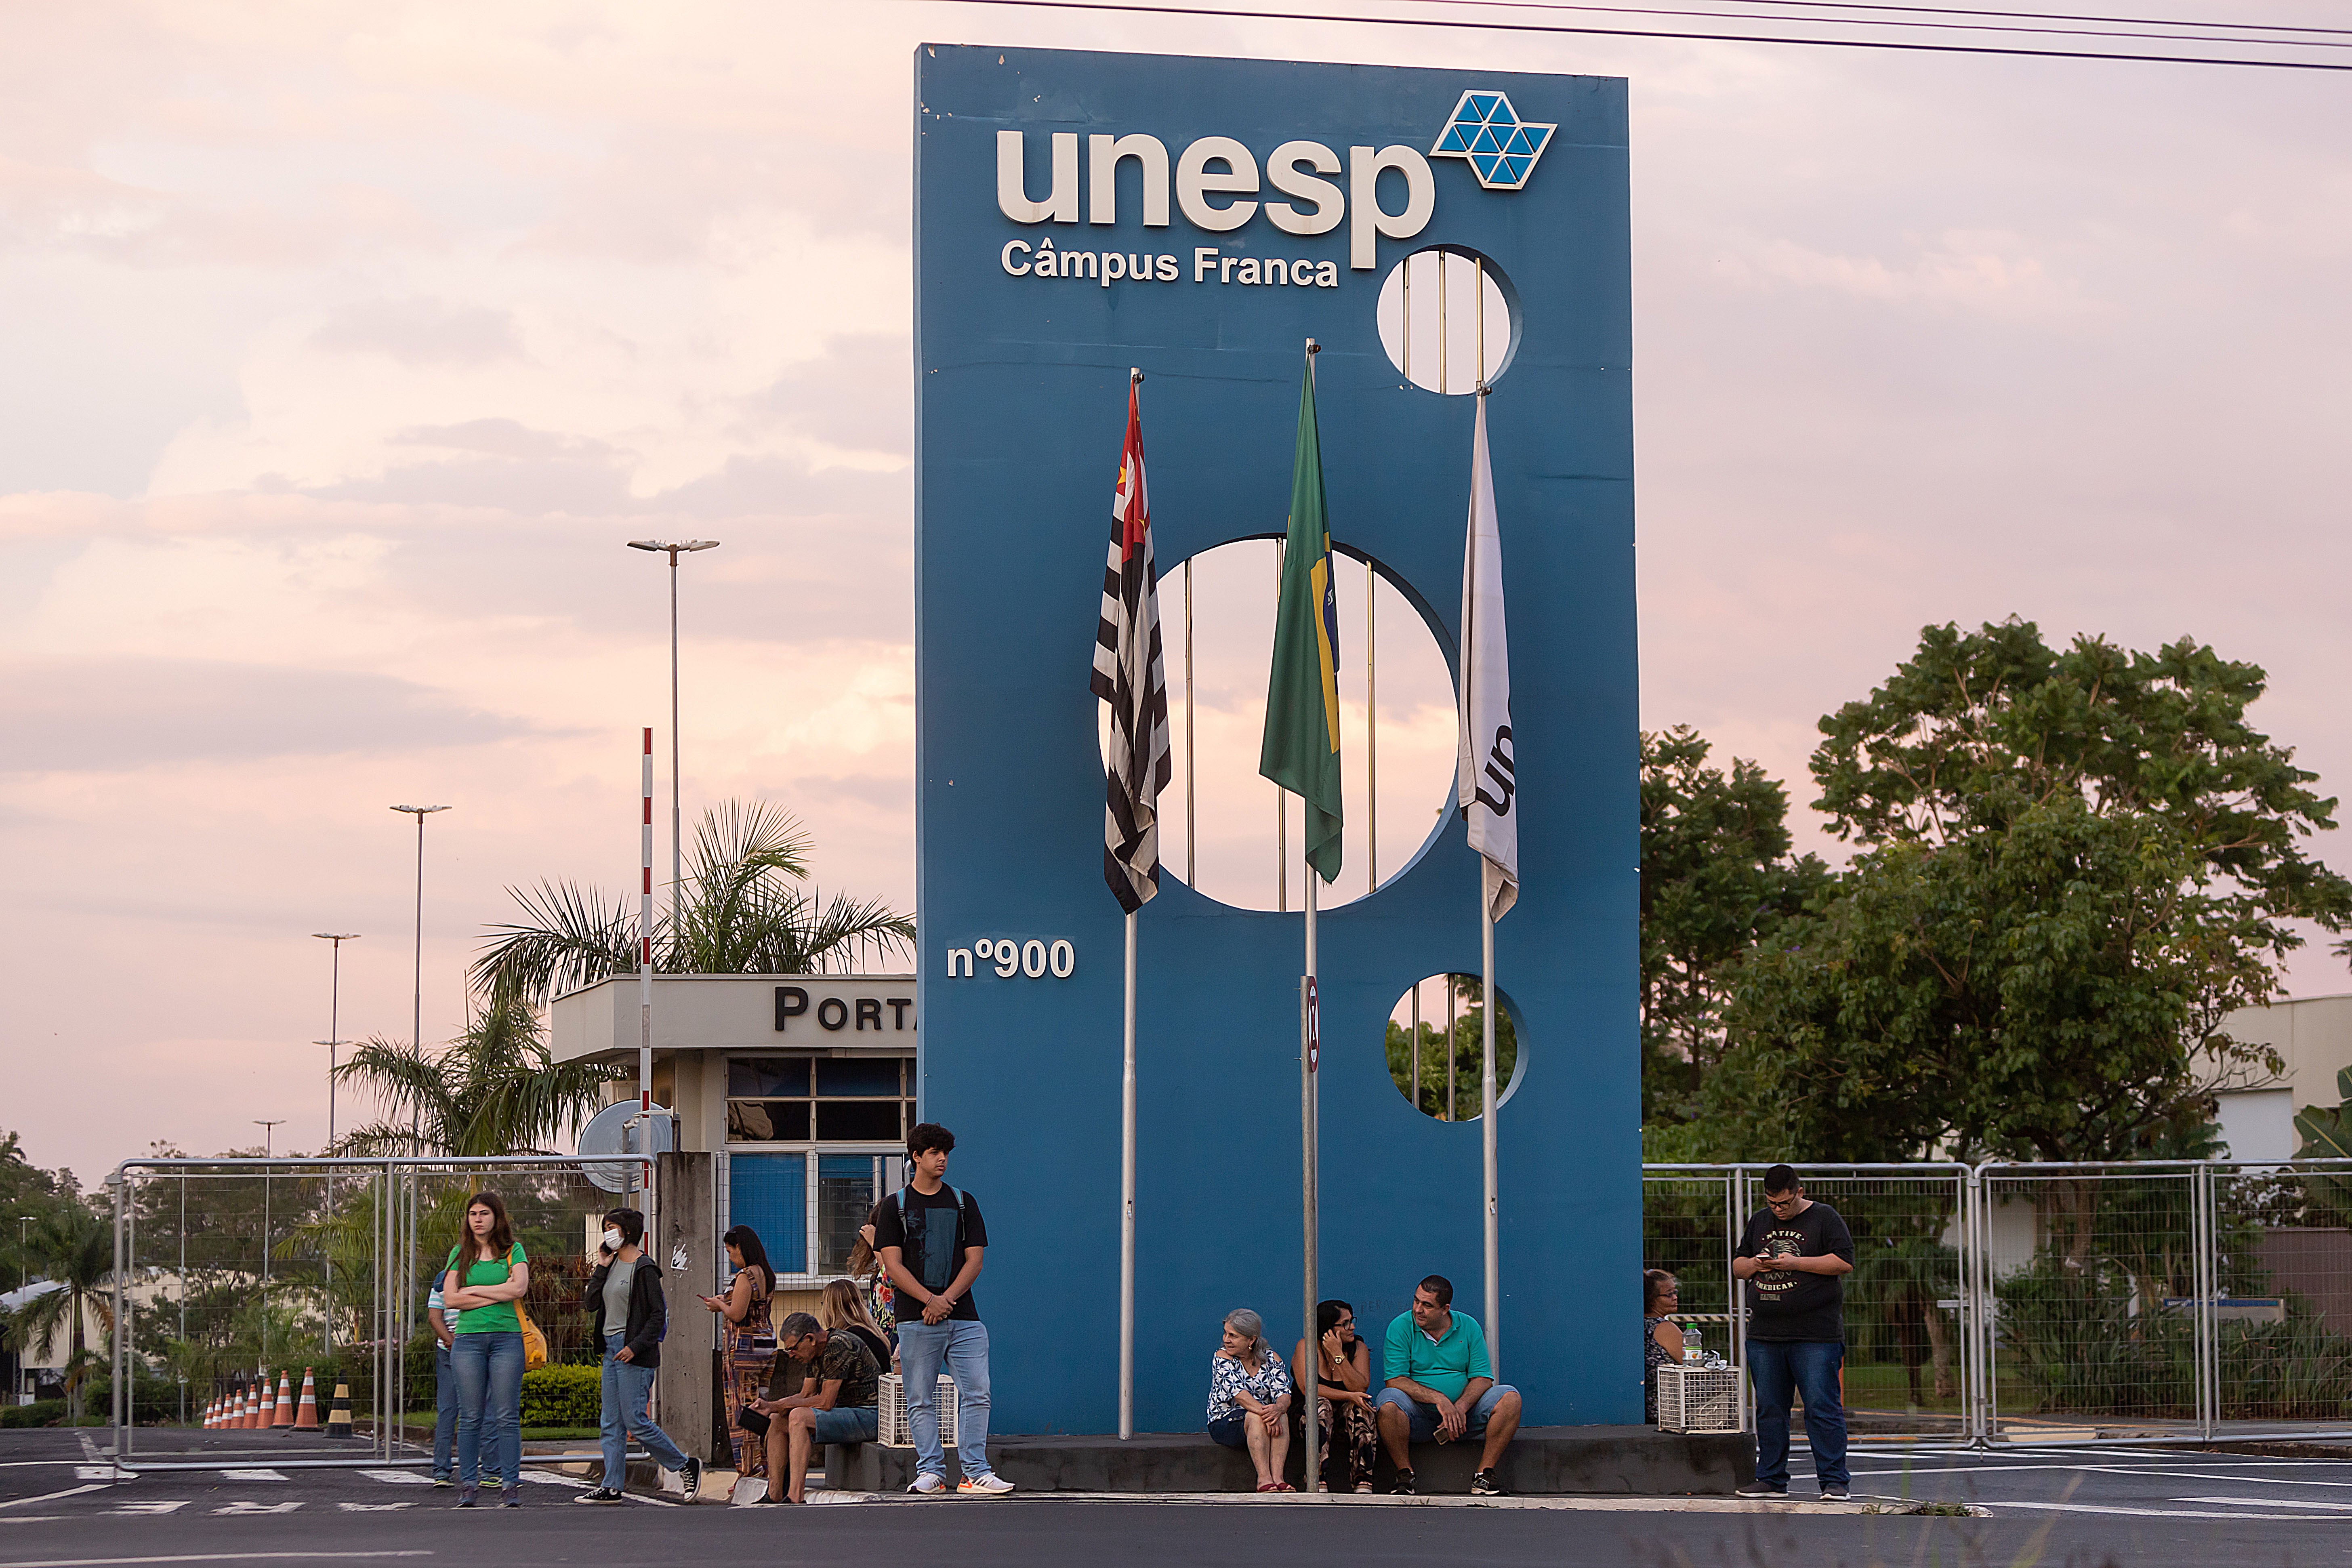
(1441, 1386)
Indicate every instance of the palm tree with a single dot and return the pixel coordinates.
(495, 1091)
(73, 1247)
(738, 915)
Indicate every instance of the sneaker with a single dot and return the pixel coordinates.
(443, 1481)
(1402, 1485)
(465, 1497)
(1364, 1486)
(513, 1497)
(1484, 1484)
(1760, 1488)
(691, 1477)
(1835, 1494)
(991, 1485)
(602, 1494)
(928, 1485)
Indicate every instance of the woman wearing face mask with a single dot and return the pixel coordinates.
(1341, 1376)
(626, 1306)
(487, 1274)
(749, 1341)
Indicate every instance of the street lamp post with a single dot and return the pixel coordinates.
(416, 1024)
(268, 1130)
(676, 855)
(334, 1042)
(334, 1018)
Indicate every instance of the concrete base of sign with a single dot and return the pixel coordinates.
(1621, 1460)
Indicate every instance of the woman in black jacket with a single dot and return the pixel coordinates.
(624, 1302)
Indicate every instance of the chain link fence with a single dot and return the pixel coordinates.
(2056, 1303)
(232, 1275)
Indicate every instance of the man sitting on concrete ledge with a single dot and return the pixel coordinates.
(1441, 1386)
(836, 1402)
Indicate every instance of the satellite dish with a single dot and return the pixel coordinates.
(609, 1132)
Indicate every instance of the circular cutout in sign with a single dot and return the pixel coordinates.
(1449, 319)
(1442, 1016)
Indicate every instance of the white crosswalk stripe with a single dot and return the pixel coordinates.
(259, 1507)
(399, 1478)
(253, 1474)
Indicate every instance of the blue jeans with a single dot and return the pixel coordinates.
(963, 1347)
(1778, 1370)
(623, 1416)
(489, 1394)
(1422, 1419)
(444, 1411)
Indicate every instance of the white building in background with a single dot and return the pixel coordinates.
(2313, 1036)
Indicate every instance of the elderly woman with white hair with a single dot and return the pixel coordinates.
(1249, 1398)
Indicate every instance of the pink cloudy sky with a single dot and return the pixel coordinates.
(347, 343)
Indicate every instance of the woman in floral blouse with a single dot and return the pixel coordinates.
(1249, 1398)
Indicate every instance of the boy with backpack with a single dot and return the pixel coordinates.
(931, 1239)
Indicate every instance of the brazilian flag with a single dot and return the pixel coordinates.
(1301, 748)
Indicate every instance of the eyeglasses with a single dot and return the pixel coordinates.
(1788, 1202)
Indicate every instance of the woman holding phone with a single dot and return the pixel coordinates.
(1341, 1376)
(749, 1349)
(487, 1274)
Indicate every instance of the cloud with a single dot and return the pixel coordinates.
(112, 714)
(422, 332)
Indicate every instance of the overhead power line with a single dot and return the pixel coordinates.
(1950, 27)
(1897, 45)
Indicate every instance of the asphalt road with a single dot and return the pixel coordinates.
(2086, 1508)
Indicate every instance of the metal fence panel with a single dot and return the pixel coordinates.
(230, 1274)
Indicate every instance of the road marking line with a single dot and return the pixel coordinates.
(2270, 1502)
(103, 1473)
(147, 1509)
(2242, 1479)
(242, 1508)
(51, 1496)
(2162, 1512)
(400, 1477)
(214, 1557)
(253, 1474)
(373, 1507)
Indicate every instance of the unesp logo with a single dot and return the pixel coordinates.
(1501, 147)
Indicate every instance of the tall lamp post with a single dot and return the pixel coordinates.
(334, 1018)
(676, 856)
(268, 1130)
(334, 1042)
(416, 1024)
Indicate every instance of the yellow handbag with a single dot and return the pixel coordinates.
(534, 1343)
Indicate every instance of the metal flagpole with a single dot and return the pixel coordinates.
(1307, 1001)
(1486, 1130)
(1126, 1206)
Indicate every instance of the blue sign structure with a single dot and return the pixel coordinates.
(1078, 213)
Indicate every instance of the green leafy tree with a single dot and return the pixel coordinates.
(72, 1247)
(2073, 865)
(2326, 1134)
(1715, 877)
(495, 1091)
(740, 914)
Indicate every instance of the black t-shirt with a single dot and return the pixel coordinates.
(932, 1237)
(1789, 1306)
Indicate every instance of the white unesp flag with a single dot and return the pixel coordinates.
(1486, 780)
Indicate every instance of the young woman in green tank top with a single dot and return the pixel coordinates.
(487, 1274)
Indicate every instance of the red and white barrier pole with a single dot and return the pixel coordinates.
(645, 976)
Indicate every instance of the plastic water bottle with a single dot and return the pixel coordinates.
(1694, 1344)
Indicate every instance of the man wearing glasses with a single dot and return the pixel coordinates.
(1795, 1255)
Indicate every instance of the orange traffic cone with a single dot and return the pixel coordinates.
(207, 1423)
(283, 1416)
(306, 1416)
(253, 1406)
